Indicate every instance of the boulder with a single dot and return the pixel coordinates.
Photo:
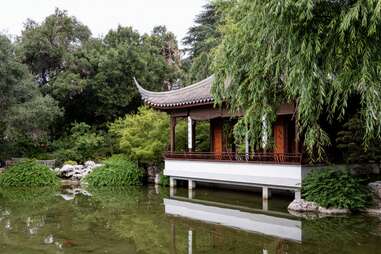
(76, 172)
(300, 205)
(332, 211)
(90, 164)
(376, 188)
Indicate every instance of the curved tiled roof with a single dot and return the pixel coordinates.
(196, 94)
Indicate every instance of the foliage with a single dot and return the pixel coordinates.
(350, 141)
(143, 137)
(318, 54)
(32, 119)
(44, 47)
(80, 145)
(96, 84)
(202, 38)
(164, 180)
(26, 115)
(202, 136)
(28, 174)
(335, 188)
(117, 171)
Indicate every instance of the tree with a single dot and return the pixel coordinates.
(96, 84)
(27, 115)
(202, 38)
(44, 47)
(32, 119)
(143, 137)
(318, 54)
(349, 140)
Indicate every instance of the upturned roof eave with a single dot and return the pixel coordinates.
(199, 94)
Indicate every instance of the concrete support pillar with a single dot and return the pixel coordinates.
(172, 182)
(173, 238)
(172, 186)
(266, 193)
(191, 194)
(190, 242)
(172, 192)
(191, 184)
(265, 204)
(298, 195)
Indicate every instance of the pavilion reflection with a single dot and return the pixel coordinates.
(280, 226)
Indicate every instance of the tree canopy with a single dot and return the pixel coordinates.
(26, 115)
(324, 56)
(56, 74)
(202, 38)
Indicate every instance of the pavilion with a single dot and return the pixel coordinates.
(280, 168)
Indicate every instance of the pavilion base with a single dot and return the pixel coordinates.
(264, 176)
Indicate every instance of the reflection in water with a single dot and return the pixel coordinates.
(140, 220)
(254, 222)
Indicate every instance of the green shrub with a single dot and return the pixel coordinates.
(143, 137)
(80, 145)
(335, 188)
(117, 171)
(164, 180)
(28, 174)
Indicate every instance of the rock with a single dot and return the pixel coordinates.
(70, 193)
(376, 188)
(90, 164)
(333, 210)
(76, 172)
(300, 205)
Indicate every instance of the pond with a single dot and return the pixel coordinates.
(150, 220)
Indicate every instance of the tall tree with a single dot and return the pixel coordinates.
(26, 115)
(322, 55)
(44, 47)
(96, 85)
(202, 38)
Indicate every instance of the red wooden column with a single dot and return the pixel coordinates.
(217, 137)
(279, 137)
(172, 134)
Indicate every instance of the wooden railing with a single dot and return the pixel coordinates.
(277, 158)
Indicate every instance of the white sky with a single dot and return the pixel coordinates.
(102, 15)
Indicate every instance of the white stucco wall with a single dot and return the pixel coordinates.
(289, 176)
(254, 222)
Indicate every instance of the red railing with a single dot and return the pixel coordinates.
(278, 158)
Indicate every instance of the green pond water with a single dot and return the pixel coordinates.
(151, 220)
